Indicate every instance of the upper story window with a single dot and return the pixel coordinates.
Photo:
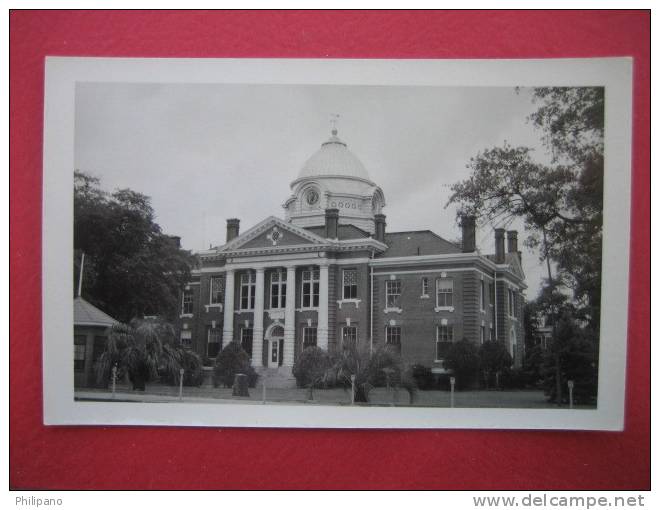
(350, 278)
(511, 303)
(425, 286)
(482, 294)
(217, 286)
(278, 289)
(482, 334)
(516, 303)
(392, 293)
(248, 283)
(444, 336)
(310, 288)
(444, 292)
(187, 302)
(393, 336)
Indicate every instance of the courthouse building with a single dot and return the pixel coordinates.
(330, 274)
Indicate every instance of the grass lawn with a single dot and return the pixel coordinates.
(529, 399)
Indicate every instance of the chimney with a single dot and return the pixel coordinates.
(175, 240)
(512, 241)
(499, 245)
(380, 227)
(232, 228)
(468, 227)
(331, 223)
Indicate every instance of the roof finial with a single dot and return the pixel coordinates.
(334, 117)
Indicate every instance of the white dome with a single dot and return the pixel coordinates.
(333, 159)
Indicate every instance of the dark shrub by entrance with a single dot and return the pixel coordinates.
(233, 360)
(423, 376)
(311, 367)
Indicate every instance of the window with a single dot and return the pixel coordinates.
(187, 302)
(393, 336)
(482, 334)
(425, 286)
(444, 291)
(248, 281)
(482, 295)
(349, 337)
(214, 342)
(278, 289)
(492, 333)
(217, 290)
(246, 340)
(350, 283)
(510, 302)
(79, 352)
(309, 336)
(310, 288)
(491, 293)
(516, 303)
(444, 336)
(186, 338)
(392, 293)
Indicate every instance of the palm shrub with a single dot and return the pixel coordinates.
(312, 368)
(493, 359)
(145, 350)
(230, 361)
(372, 369)
(463, 359)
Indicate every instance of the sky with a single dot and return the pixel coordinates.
(206, 152)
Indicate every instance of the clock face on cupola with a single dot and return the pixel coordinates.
(312, 197)
(333, 177)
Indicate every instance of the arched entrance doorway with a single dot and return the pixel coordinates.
(275, 344)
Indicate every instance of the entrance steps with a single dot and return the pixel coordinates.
(280, 378)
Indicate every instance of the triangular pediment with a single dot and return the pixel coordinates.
(273, 233)
(516, 266)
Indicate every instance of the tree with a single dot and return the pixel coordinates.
(366, 370)
(131, 268)
(561, 203)
(230, 361)
(570, 357)
(145, 350)
(493, 358)
(463, 359)
(311, 368)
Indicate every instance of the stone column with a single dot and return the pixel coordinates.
(322, 331)
(228, 325)
(258, 328)
(290, 317)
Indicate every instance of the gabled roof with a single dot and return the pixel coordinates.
(343, 231)
(513, 260)
(86, 314)
(267, 224)
(417, 242)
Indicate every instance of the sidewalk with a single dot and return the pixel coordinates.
(156, 393)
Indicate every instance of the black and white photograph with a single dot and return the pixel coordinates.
(336, 244)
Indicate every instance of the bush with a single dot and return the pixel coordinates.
(423, 377)
(463, 359)
(230, 361)
(311, 367)
(177, 357)
(513, 379)
(493, 359)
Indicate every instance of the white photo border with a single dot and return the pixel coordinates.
(62, 73)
